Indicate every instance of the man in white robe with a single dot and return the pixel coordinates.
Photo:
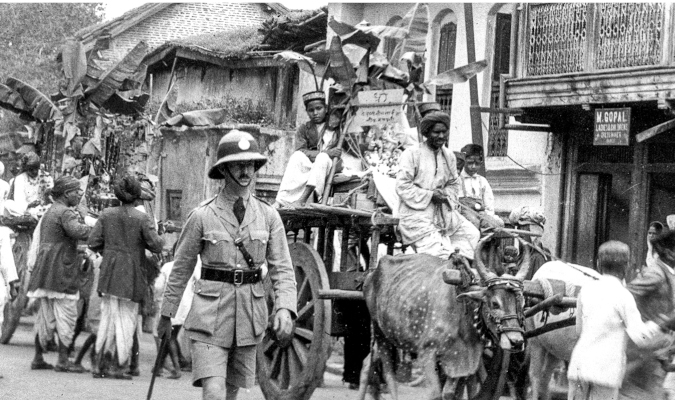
(428, 184)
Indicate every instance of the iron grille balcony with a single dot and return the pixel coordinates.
(562, 38)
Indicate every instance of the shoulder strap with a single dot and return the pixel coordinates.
(207, 201)
(261, 200)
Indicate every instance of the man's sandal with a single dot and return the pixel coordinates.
(40, 365)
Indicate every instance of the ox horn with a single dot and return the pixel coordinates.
(525, 264)
(485, 275)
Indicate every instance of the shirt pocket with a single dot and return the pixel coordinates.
(218, 247)
(204, 310)
(258, 242)
(260, 310)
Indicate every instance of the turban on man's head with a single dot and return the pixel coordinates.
(127, 189)
(525, 215)
(64, 185)
(433, 118)
(30, 160)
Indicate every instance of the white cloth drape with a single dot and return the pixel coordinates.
(117, 327)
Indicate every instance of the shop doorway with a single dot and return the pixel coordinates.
(616, 192)
(603, 201)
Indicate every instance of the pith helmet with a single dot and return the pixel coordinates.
(237, 146)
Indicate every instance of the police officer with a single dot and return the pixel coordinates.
(235, 234)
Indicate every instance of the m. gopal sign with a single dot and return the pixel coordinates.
(612, 127)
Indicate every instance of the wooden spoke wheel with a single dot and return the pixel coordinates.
(291, 371)
(14, 309)
(488, 381)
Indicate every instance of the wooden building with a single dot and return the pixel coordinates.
(246, 87)
(571, 62)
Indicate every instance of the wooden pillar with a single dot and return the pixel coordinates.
(570, 155)
(637, 219)
(474, 113)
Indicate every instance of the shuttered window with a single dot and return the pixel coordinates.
(446, 47)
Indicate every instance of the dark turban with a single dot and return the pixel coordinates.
(127, 189)
(30, 160)
(64, 185)
(433, 118)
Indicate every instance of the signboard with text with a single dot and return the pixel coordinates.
(378, 107)
(612, 127)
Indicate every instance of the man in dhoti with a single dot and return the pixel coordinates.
(315, 148)
(56, 276)
(427, 184)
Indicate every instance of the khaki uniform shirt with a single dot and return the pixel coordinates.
(224, 314)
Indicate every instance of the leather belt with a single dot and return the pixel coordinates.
(234, 276)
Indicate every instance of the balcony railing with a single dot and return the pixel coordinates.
(562, 38)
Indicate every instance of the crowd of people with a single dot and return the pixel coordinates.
(213, 290)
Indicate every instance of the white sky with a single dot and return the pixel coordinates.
(117, 8)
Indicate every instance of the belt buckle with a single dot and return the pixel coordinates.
(238, 277)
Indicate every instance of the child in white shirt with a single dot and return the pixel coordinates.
(473, 184)
(606, 317)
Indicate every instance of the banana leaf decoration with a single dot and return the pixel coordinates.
(113, 79)
(341, 68)
(305, 63)
(11, 100)
(135, 82)
(416, 22)
(382, 31)
(351, 35)
(74, 65)
(458, 75)
(38, 106)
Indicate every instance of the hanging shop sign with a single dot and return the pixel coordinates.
(378, 107)
(612, 127)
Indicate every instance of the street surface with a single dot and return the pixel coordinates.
(21, 383)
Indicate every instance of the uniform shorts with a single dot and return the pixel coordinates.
(236, 365)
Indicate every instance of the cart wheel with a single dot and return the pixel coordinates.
(14, 309)
(294, 371)
(488, 382)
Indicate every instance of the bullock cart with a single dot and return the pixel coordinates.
(322, 245)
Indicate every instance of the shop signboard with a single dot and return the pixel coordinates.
(378, 107)
(612, 127)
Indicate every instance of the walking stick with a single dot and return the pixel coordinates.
(158, 362)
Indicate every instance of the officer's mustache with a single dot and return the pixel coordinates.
(244, 176)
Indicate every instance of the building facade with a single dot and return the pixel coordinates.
(575, 64)
(517, 161)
